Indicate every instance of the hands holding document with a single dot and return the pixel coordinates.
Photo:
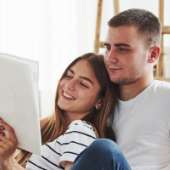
(19, 109)
(19, 104)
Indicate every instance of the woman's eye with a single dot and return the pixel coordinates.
(84, 85)
(68, 76)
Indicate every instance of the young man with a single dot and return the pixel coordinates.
(142, 117)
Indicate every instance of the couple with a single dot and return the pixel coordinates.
(112, 97)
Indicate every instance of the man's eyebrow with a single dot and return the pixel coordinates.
(117, 44)
(106, 44)
(121, 45)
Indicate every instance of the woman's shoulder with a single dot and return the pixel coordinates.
(78, 123)
(81, 126)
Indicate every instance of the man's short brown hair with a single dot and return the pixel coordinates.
(146, 23)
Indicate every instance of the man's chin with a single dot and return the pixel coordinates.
(123, 81)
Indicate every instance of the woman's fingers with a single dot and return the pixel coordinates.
(8, 130)
(8, 140)
(6, 148)
(2, 127)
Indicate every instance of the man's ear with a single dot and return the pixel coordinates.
(154, 54)
(99, 104)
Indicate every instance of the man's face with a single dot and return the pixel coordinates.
(126, 56)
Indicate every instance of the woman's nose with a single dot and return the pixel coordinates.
(71, 84)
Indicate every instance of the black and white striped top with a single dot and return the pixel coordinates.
(66, 147)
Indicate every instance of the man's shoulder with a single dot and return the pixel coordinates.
(161, 87)
(161, 84)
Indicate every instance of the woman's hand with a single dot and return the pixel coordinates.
(8, 141)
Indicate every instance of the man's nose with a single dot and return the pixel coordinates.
(111, 56)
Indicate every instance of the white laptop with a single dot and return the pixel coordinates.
(19, 99)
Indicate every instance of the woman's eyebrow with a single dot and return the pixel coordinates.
(87, 79)
(82, 77)
(70, 70)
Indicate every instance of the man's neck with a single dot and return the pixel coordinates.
(131, 90)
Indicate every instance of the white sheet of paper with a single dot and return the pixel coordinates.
(19, 100)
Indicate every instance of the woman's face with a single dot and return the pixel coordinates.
(78, 90)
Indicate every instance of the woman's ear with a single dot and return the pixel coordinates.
(99, 104)
(154, 54)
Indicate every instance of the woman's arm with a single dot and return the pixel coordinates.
(67, 165)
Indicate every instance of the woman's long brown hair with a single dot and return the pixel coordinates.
(56, 124)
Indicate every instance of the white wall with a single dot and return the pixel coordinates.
(54, 32)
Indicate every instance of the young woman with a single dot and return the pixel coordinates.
(84, 103)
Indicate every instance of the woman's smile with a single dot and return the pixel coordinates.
(67, 96)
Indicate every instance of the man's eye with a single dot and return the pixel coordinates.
(107, 47)
(123, 49)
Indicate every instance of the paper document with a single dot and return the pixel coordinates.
(19, 100)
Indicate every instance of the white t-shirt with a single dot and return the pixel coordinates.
(66, 147)
(142, 127)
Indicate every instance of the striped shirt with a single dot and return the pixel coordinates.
(66, 147)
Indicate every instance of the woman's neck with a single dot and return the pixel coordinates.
(75, 116)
